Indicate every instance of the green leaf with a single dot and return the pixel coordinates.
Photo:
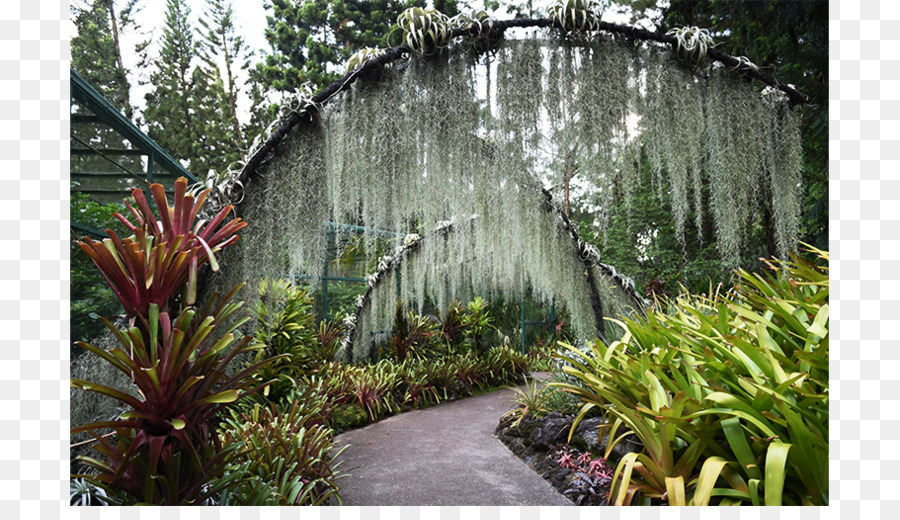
(675, 491)
(819, 326)
(709, 473)
(734, 432)
(776, 461)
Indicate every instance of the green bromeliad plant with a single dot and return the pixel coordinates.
(728, 394)
(165, 449)
(283, 455)
(283, 324)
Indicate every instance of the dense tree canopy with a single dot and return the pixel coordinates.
(311, 39)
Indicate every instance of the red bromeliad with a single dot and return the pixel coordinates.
(163, 255)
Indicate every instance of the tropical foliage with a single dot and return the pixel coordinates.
(163, 256)
(283, 455)
(727, 393)
(165, 449)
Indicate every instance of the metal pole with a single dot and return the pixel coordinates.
(150, 166)
(325, 290)
(553, 322)
(523, 322)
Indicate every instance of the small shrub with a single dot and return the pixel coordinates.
(283, 325)
(348, 416)
(280, 457)
(415, 337)
(476, 322)
(531, 401)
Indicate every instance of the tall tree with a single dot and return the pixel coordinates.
(168, 115)
(226, 51)
(96, 56)
(96, 50)
(311, 39)
(214, 145)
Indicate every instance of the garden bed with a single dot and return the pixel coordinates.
(577, 468)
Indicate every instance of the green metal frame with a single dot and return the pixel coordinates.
(106, 113)
(103, 112)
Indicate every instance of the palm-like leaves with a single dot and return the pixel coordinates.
(728, 395)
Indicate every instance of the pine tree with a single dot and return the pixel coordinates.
(214, 145)
(96, 56)
(168, 115)
(223, 46)
(312, 39)
(96, 53)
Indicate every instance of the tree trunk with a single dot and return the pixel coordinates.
(121, 67)
(232, 96)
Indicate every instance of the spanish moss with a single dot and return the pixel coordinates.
(467, 141)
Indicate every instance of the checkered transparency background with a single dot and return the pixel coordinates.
(865, 249)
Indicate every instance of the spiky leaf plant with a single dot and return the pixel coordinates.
(166, 447)
(414, 337)
(163, 255)
(424, 30)
(281, 457)
(576, 16)
(692, 44)
(532, 400)
(360, 57)
(283, 326)
(729, 395)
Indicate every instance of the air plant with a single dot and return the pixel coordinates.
(692, 44)
(709, 140)
(425, 30)
(576, 16)
(360, 57)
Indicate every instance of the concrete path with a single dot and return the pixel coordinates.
(445, 455)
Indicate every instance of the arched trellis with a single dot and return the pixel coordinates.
(314, 137)
(497, 27)
(588, 255)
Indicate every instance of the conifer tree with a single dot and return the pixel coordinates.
(96, 57)
(168, 115)
(214, 145)
(96, 52)
(226, 51)
(312, 39)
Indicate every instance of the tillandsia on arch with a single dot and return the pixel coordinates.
(692, 43)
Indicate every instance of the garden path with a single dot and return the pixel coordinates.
(445, 455)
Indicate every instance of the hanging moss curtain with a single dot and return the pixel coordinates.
(472, 139)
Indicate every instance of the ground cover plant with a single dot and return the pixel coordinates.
(727, 393)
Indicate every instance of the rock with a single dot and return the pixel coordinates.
(587, 437)
(555, 430)
(587, 434)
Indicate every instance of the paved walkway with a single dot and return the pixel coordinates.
(445, 455)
